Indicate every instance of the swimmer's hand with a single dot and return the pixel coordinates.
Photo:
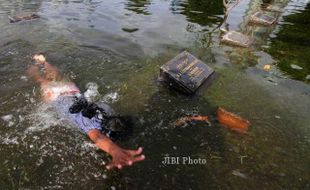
(39, 58)
(122, 157)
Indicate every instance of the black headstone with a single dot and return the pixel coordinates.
(185, 72)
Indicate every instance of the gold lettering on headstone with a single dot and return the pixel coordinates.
(183, 63)
(196, 73)
(189, 66)
(186, 71)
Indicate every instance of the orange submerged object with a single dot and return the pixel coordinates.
(267, 67)
(232, 121)
(184, 120)
(198, 118)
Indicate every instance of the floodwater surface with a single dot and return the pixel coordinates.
(119, 45)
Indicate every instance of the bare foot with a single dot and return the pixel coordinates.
(39, 58)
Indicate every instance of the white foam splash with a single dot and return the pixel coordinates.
(24, 78)
(8, 141)
(92, 92)
(9, 119)
(111, 97)
(89, 146)
(42, 118)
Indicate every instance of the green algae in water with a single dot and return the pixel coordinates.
(280, 166)
(291, 46)
(234, 90)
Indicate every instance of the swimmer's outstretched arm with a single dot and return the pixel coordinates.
(120, 157)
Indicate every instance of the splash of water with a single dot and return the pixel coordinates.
(8, 119)
(42, 118)
(8, 141)
(110, 97)
(91, 94)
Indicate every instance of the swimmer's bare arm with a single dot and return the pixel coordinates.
(120, 157)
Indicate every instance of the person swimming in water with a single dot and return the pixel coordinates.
(63, 96)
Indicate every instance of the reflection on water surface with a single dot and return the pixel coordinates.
(120, 45)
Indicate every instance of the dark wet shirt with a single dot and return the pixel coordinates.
(62, 105)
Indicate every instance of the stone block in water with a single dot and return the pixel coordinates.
(236, 39)
(273, 8)
(185, 72)
(31, 16)
(262, 18)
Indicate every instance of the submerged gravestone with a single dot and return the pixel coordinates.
(30, 16)
(236, 39)
(262, 18)
(273, 8)
(185, 72)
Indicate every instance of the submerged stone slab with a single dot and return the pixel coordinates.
(185, 72)
(31, 16)
(273, 8)
(236, 39)
(262, 18)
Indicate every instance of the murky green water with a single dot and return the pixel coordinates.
(120, 46)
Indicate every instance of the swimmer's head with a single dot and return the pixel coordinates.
(119, 127)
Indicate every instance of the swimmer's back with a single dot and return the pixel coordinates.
(52, 90)
(62, 105)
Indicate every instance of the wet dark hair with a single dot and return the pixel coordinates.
(118, 127)
(78, 105)
(114, 127)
